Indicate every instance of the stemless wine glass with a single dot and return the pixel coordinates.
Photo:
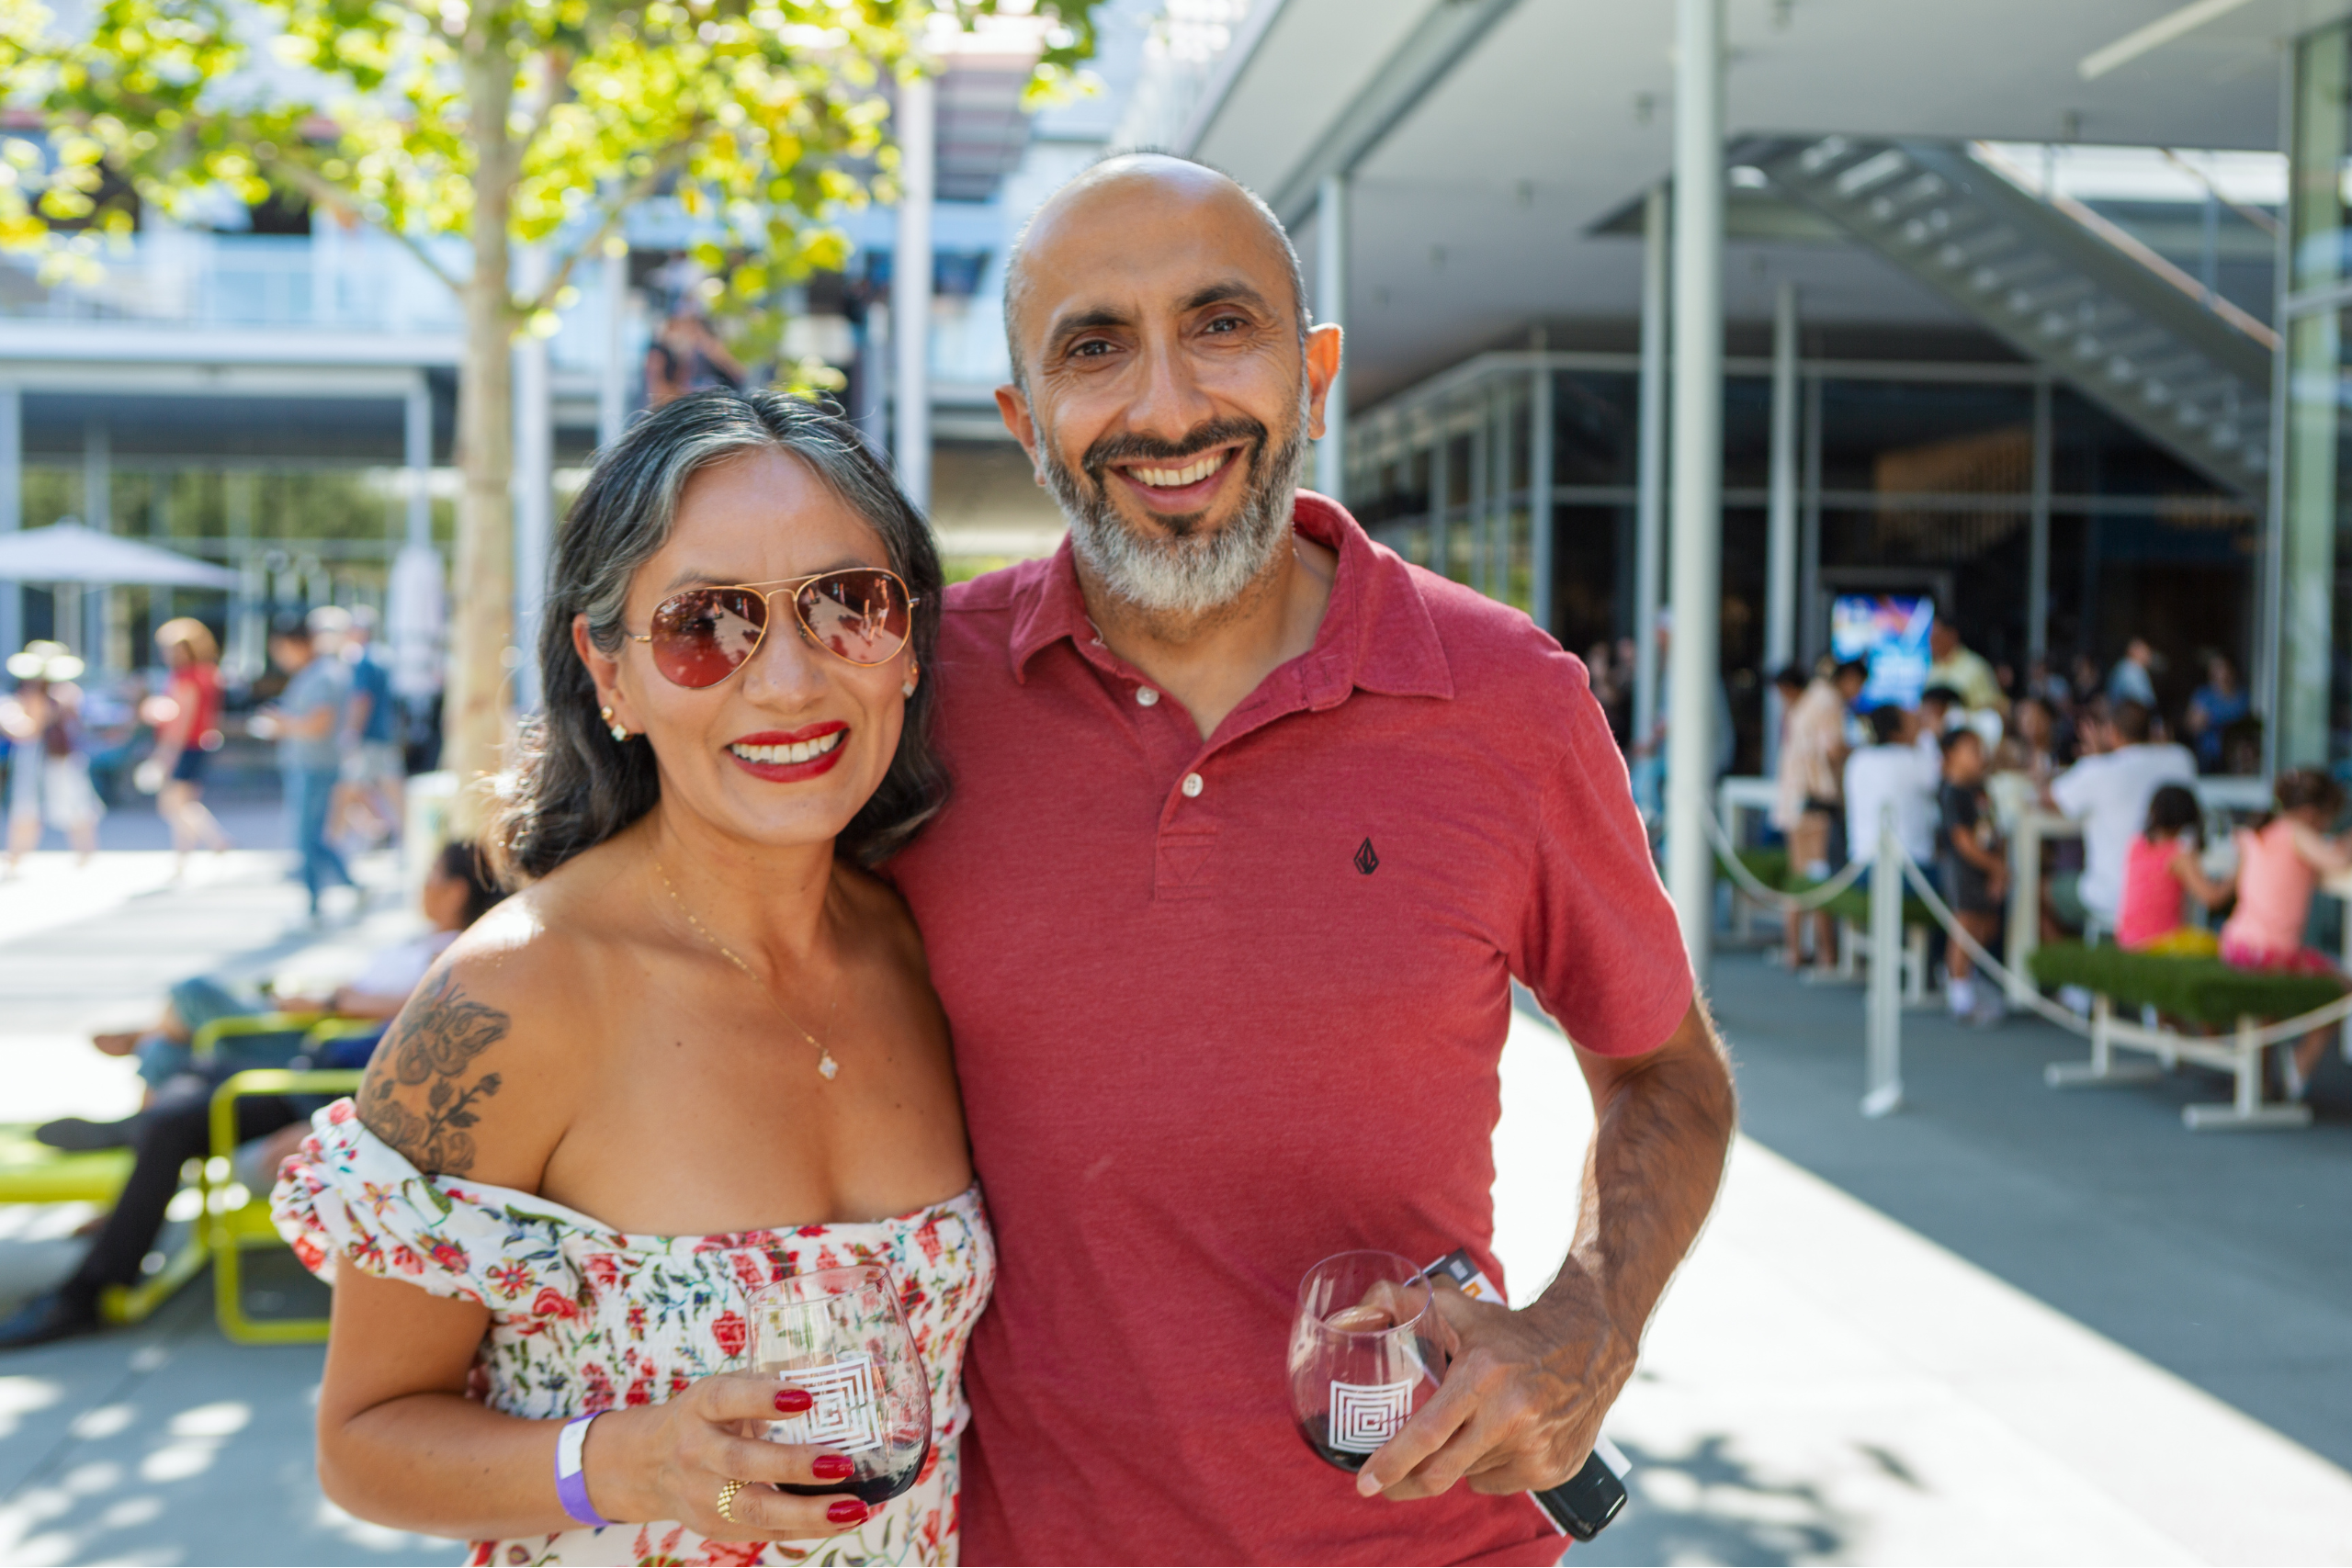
(839, 1334)
(1363, 1356)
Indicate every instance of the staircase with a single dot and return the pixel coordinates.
(2064, 288)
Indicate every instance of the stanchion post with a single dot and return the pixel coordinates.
(1883, 1048)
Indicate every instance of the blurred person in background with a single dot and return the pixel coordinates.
(1893, 770)
(2031, 746)
(307, 723)
(48, 763)
(2108, 792)
(367, 800)
(1963, 670)
(1809, 798)
(176, 1125)
(186, 734)
(2167, 863)
(2220, 703)
(2133, 679)
(686, 357)
(1976, 874)
(2280, 861)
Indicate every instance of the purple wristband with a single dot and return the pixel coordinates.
(570, 1479)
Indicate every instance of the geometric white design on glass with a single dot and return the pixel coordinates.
(843, 1416)
(1365, 1415)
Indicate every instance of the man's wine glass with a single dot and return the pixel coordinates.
(1364, 1354)
(839, 1334)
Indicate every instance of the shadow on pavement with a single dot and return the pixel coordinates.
(1705, 1506)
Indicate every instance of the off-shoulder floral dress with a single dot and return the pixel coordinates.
(584, 1317)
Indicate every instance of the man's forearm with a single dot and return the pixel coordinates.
(1656, 1161)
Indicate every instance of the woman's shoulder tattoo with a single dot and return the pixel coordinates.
(433, 1042)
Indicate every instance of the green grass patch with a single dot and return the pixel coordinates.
(2202, 990)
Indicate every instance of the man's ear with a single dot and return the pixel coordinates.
(1013, 407)
(1322, 371)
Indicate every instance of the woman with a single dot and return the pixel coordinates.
(49, 765)
(696, 1052)
(2213, 707)
(185, 740)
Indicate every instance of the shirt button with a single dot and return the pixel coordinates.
(1191, 784)
(1146, 697)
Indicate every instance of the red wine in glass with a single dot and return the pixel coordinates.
(839, 1334)
(1362, 1353)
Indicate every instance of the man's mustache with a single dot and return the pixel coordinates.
(1138, 448)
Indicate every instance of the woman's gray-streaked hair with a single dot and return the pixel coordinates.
(576, 785)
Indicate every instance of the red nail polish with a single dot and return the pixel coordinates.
(848, 1511)
(795, 1400)
(831, 1467)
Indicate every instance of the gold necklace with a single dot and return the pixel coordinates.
(825, 1062)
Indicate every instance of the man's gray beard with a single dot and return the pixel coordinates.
(1192, 573)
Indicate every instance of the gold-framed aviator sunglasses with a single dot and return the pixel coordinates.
(861, 614)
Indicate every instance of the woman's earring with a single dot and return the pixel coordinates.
(909, 689)
(619, 733)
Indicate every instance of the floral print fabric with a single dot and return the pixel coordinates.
(584, 1317)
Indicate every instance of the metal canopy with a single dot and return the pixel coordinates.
(68, 552)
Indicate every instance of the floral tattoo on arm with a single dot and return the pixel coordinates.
(435, 1040)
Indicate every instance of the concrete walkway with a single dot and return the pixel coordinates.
(2006, 1326)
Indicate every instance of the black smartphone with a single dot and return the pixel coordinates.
(1584, 1503)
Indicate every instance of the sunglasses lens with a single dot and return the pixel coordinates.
(702, 636)
(862, 615)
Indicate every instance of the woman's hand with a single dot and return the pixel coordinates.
(672, 1461)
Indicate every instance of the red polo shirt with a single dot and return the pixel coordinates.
(1222, 1009)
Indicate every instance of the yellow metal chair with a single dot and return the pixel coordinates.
(237, 1220)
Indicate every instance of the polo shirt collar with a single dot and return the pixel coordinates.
(1376, 636)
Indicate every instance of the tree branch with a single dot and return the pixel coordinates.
(319, 188)
(637, 190)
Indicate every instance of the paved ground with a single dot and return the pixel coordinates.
(2005, 1325)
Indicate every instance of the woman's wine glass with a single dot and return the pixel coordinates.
(1364, 1353)
(839, 1334)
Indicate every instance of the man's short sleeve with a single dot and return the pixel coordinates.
(2071, 791)
(1600, 947)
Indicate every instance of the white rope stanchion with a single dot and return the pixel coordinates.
(1882, 1049)
(1779, 898)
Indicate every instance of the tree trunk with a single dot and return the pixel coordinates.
(476, 719)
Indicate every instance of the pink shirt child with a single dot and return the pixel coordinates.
(2278, 870)
(2151, 905)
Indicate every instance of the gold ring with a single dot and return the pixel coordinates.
(727, 1494)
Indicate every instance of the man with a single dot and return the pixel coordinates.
(367, 800)
(1976, 874)
(1254, 826)
(1895, 770)
(1809, 804)
(1964, 670)
(2133, 679)
(306, 721)
(2108, 794)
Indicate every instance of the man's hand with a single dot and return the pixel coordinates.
(1521, 1401)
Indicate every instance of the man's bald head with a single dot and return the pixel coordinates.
(1160, 176)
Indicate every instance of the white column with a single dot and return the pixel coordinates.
(416, 458)
(910, 290)
(12, 510)
(1331, 308)
(1698, 458)
(1539, 492)
(612, 386)
(1781, 519)
(534, 482)
(1649, 476)
(97, 512)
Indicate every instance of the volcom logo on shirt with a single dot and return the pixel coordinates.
(1367, 859)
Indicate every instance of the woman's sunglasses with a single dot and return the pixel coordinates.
(862, 615)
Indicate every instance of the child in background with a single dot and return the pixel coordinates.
(2280, 867)
(2164, 863)
(1976, 872)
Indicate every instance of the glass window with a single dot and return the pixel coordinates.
(1594, 419)
(1904, 438)
(2094, 453)
(1747, 432)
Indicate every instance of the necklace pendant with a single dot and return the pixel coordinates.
(826, 1065)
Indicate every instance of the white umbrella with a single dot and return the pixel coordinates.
(68, 552)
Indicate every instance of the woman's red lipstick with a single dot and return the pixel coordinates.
(782, 756)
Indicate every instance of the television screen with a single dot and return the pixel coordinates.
(1889, 631)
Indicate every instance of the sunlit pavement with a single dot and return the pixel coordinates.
(2005, 1326)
